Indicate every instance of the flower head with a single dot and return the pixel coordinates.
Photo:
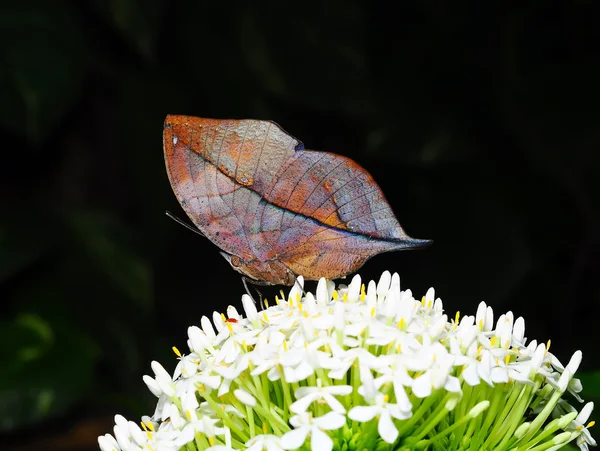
(359, 367)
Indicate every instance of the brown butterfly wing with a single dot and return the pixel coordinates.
(212, 164)
(253, 191)
(330, 216)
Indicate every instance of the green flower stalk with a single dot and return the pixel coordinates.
(359, 368)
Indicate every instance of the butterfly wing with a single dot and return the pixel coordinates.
(330, 216)
(256, 193)
(218, 169)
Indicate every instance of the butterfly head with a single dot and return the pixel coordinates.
(273, 272)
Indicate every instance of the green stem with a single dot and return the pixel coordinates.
(417, 415)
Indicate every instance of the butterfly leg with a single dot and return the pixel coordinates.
(246, 280)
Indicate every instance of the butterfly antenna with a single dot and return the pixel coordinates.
(185, 224)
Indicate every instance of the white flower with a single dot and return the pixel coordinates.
(128, 436)
(300, 362)
(306, 424)
(245, 397)
(203, 424)
(384, 411)
(307, 395)
(579, 425)
(264, 442)
(163, 379)
(358, 368)
(363, 358)
(108, 443)
(435, 365)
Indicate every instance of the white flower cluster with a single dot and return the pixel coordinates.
(359, 368)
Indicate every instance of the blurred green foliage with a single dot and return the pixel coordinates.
(480, 121)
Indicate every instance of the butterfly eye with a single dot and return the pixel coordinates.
(235, 261)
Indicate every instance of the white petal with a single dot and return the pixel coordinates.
(421, 386)
(249, 307)
(585, 413)
(218, 321)
(470, 376)
(300, 373)
(519, 331)
(395, 280)
(438, 327)
(320, 440)
(122, 436)
(273, 445)
(484, 368)
(480, 315)
(301, 392)
(186, 367)
(224, 388)
(121, 422)
(300, 420)
(399, 413)
(575, 361)
(207, 327)
(175, 416)
(554, 360)
(340, 372)
(339, 316)
(167, 387)
(302, 404)
(489, 319)
(322, 292)
(334, 404)
(499, 375)
(108, 443)
(354, 288)
(563, 381)
(246, 398)
(363, 413)
(430, 295)
(160, 372)
(136, 434)
(152, 385)
(371, 294)
(296, 289)
(384, 283)
(392, 301)
(339, 389)
(538, 357)
(452, 384)
(330, 421)
(402, 399)
(386, 428)
(233, 313)
(210, 381)
(274, 374)
(185, 436)
(295, 438)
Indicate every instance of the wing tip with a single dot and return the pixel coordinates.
(412, 243)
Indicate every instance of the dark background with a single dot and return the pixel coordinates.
(479, 120)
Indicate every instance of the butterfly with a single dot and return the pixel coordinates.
(275, 209)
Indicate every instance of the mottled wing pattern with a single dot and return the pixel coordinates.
(256, 193)
(330, 216)
(218, 168)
